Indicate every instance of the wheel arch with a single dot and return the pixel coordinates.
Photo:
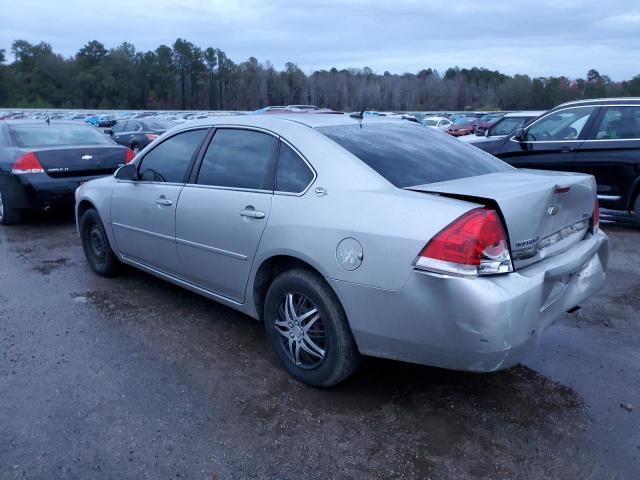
(634, 192)
(82, 207)
(269, 269)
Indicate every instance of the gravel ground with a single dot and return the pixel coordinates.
(135, 378)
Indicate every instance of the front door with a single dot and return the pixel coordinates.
(611, 153)
(551, 142)
(143, 211)
(221, 217)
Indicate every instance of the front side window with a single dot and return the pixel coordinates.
(410, 155)
(619, 123)
(293, 175)
(561, 125)
(170, 160)
(239, 159)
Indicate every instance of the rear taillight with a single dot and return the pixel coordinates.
(151, 136)
(129, 155)
(474, 244)
(27, 163)
(596, 216)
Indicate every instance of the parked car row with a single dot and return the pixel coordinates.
(505, 125)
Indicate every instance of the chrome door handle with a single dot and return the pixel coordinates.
(566, 149)
(165, 202)
(251, 213)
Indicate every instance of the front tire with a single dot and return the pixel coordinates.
(8, 215)
(95, 244)
(308, 329)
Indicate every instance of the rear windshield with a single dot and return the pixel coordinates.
(407, 154)
(34, 136)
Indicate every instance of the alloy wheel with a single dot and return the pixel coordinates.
(304, 337)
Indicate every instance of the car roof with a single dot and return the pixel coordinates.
(603, 101)
(306, 119)
(526, 113)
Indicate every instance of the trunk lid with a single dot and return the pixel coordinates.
(545, 213)
(81, 161)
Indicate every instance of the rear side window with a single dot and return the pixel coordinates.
(408, 155)
(619, 123)
(169, 161)
(35, 136)
(239, 159)
(293, 175)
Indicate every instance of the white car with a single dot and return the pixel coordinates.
(503, 127)
(441, 123)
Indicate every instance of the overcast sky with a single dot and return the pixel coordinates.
(536, 37)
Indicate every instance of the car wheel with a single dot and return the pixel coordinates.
(8, 215)
(307, 327)
(95, 244)
(135, 148)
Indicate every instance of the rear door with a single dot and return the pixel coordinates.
(550, 142)
(222, 214)
(143, 211)
(611, 153)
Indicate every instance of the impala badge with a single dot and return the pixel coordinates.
(553, 210)
(87, 157)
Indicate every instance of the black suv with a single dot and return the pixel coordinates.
(600, 137)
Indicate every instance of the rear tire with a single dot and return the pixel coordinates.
(8, 214)
(308, 329)
(95, 244)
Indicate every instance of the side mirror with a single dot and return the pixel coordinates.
(520, 135)
(127, 172)
(108, 131)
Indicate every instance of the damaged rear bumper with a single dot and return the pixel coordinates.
(478, 324)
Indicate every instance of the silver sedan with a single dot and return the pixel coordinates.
(351, 237)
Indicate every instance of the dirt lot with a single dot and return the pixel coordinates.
(135, 378)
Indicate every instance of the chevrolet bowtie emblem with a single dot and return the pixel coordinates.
(87, 157)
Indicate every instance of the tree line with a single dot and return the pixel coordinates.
(186, 77)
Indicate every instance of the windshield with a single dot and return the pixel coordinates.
(33, 136)
(464, 121)
(507, 125)
(431, 123)
(409, 154)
